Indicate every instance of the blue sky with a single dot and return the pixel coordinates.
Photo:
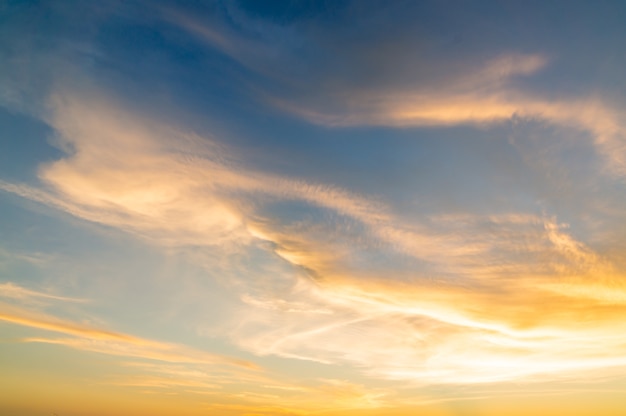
(345, 207)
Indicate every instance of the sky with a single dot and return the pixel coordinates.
(299, 208)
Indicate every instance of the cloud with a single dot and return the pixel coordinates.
(458, 298)
(437, 335)
(12, 291)
(514, 307)
(89, 338)
(150, 179)
(483, 97)
(411, 92)
(390, 79)
(254, 389)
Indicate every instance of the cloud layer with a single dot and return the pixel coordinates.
(459, 299)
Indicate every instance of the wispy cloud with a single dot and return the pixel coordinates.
(134, 347)
(13, 291)
(437, 94)
(486, 96)
(90, 338)
(491, 282)
(511, 308)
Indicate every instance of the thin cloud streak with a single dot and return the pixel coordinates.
(12, 291)
(94, 339)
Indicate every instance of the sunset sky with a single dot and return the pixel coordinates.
(294, 208)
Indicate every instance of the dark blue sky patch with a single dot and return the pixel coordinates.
(24, 144)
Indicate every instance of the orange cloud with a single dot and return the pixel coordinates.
(511, 287)
(104, 341)
(482, 97)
